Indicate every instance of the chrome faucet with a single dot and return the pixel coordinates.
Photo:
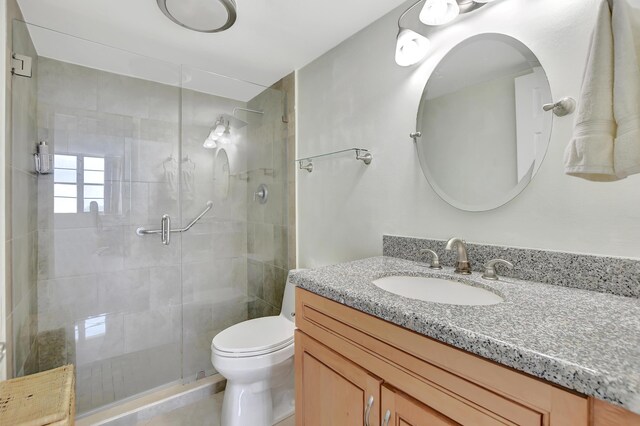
(463, 266)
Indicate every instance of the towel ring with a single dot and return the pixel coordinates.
(564, 106)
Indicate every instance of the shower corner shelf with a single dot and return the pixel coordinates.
(362, 154)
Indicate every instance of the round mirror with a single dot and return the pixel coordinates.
(483, 131)
(221, 174)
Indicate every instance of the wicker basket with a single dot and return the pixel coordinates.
(46, 398)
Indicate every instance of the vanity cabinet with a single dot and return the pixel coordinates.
(346, 359)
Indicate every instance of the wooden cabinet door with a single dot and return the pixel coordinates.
(399, 409)
(330, 390)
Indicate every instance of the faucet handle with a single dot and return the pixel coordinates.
(490, 268)
(435, 260)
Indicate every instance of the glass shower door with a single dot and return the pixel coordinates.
(108, 299)
(234, 260)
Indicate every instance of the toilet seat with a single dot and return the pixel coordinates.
(254, 337)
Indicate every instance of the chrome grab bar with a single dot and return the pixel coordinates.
(166, 226)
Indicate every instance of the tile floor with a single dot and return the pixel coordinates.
(205, 412)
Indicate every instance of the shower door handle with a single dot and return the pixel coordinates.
(165, 228)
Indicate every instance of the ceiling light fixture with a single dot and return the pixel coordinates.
(205, 16)
(439, 12)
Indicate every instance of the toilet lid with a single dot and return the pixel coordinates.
(256, 336)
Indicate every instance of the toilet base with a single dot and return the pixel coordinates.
(247, 404)
(263, 402)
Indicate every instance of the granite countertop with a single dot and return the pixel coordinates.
(578, 339)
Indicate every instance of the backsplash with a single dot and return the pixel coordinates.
(614, 275)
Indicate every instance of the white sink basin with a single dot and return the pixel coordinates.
(438, 290)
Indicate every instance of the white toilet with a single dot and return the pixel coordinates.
(256, 358)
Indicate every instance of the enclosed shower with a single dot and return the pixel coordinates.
(150, 210)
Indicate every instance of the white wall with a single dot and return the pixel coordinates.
(355, 95)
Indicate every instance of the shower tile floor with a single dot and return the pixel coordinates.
(205, 412)
(103, 382)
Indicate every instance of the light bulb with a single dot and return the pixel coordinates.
(439, 12)
(211, 141)
(219, 127)
(411, 47)
(225, 138)
(210, 144)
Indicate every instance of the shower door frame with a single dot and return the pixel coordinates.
(4, 75)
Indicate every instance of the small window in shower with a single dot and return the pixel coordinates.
(91, 327)
(65, 186)
(78, 184)
(93, 190)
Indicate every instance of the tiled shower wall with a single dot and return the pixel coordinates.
(21, 207)
(271, 226)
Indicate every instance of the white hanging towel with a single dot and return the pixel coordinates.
(606, 139)
(590, 152)
(626, 88)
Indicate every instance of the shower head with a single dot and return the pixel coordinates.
(206, 16)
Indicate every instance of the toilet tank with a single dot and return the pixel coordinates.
(289, 299)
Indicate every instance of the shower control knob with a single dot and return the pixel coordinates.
(261, 194)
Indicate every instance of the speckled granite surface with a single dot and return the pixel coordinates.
(582, 340)
(597, 273)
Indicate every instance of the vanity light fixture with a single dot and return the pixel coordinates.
(439, 12)
(211, 142)
(215, 134)
(411, 47)
(225, 138)
(219, 127)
